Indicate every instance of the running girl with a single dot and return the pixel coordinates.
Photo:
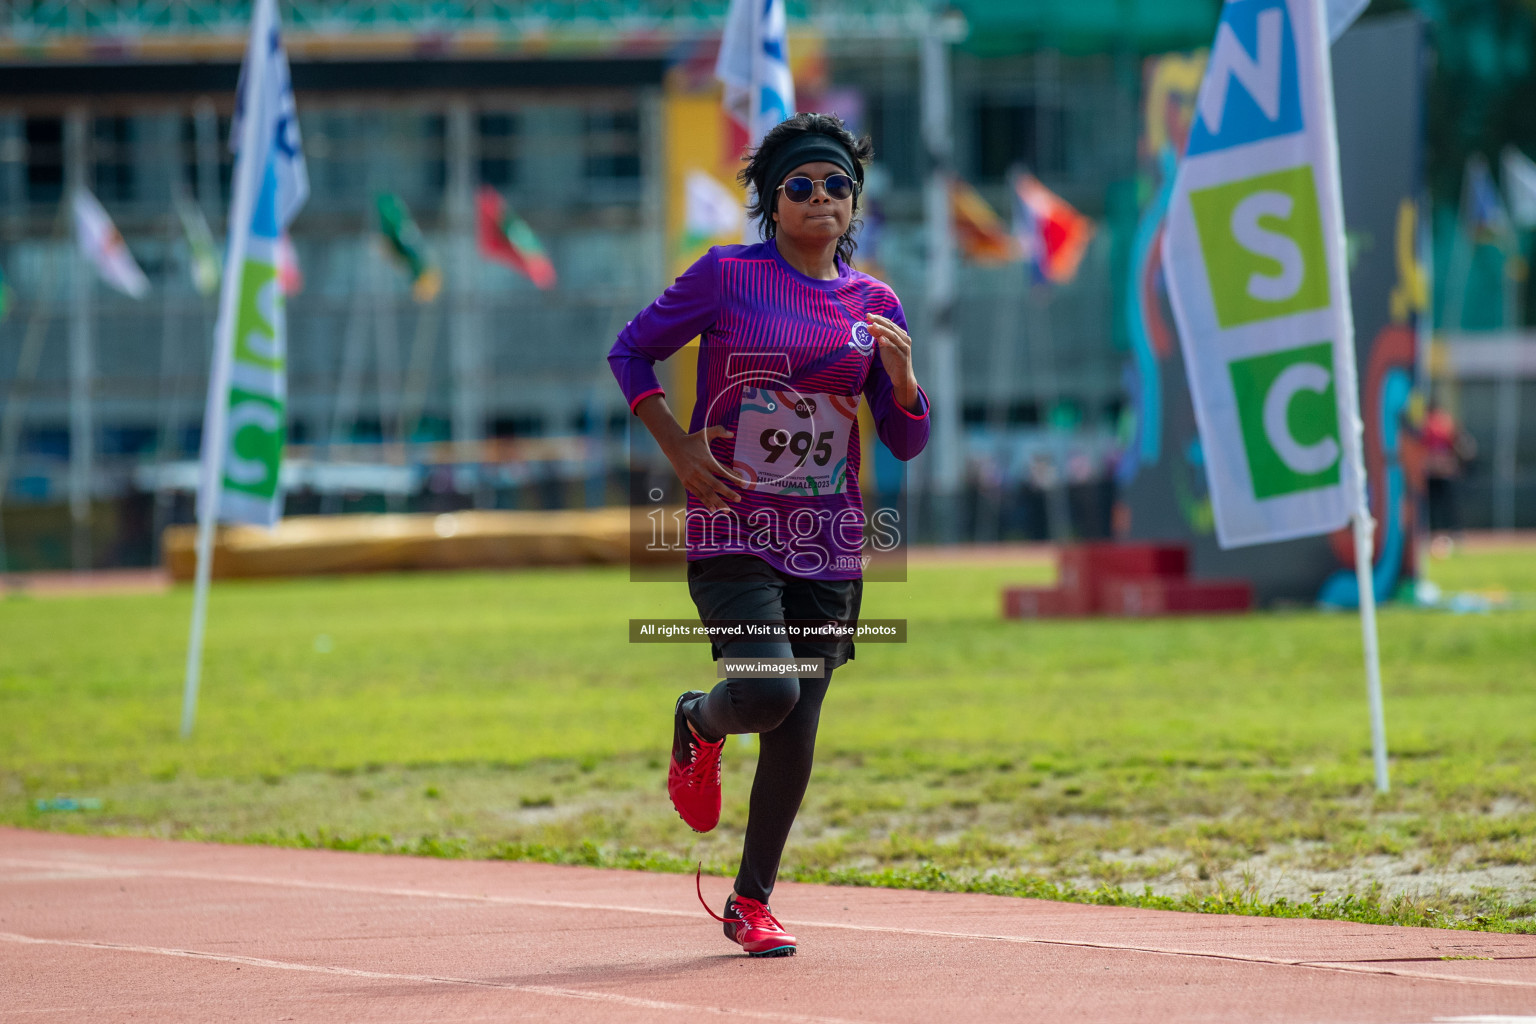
(791, 337)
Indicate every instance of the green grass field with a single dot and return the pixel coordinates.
(1214, 764)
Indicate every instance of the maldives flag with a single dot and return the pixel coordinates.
(1052, 235)
(506, 238)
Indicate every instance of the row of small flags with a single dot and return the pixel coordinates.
(1051, 237)
(502, 236)
(1047, 235)
(1484, 209)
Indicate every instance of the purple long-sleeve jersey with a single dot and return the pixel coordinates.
(783, 361)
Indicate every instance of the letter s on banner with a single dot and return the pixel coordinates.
(1254, 237)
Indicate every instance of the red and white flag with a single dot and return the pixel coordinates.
(1052, 235)
(101, 243)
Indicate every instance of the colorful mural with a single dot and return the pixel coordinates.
(1163, 495)
(1394, 466)
(1170, 85)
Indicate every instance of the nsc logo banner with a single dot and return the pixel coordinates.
(1253, 259)
(245, 423)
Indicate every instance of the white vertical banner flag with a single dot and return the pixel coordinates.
(246, 417)
(754, 65)
(1253, 256)
(103, 246)
(245, 421)
(1254, 259)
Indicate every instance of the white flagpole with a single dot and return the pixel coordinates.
(248, 163)
(944, 465)
(1349, 400)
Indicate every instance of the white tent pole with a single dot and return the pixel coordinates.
(1365, 532)
(169, 396)
(216, 418)
(1348, 393)
(945, 472)
(82, 372)
(1507, 395)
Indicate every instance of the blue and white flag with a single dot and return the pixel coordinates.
(245, 425)
(1520, 186)
(1483, 211)
(1254, 259)
(754, 65)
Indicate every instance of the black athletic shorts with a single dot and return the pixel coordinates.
(744, 588)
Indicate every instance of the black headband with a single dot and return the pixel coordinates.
(811, 148)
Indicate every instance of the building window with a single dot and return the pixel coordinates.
(112, 156)
(207, 165)
(612, 143)
(893, 126)
(498, 149)
(45, 159)
(1010, 134)
(336, 144)
(434, 140)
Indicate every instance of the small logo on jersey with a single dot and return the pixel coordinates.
(805, 408)
(862, 339)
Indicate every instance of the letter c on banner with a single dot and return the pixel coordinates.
(242, 416)
(1306, 459)
(1254, 237)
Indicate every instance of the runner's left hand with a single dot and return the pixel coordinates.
(896, 357)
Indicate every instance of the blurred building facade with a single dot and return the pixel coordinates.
(562, 107)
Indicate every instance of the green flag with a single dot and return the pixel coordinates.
(205, 265)
(409, 247)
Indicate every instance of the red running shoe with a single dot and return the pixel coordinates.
(693, 777)
(753, 926)
(750, 924)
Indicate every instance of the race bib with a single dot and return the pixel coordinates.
(788, 443)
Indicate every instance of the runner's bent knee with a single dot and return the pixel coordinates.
(761, 704)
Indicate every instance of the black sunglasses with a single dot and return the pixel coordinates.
(799, 189)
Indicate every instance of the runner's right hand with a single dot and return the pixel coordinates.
(699, 470)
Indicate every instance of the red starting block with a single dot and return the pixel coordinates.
(1040, 603)
(1083, 568)
(1148, 597)
(1126, 580)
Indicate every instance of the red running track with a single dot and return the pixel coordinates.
(104, 929)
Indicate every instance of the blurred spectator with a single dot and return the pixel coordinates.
(1447, 450)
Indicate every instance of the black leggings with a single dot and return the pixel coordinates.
(783, 712)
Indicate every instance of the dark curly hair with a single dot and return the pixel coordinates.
(764, 193)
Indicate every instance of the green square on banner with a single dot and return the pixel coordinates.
(1262, 242)
(256, 434)
(255, 323)
(1289, 413)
